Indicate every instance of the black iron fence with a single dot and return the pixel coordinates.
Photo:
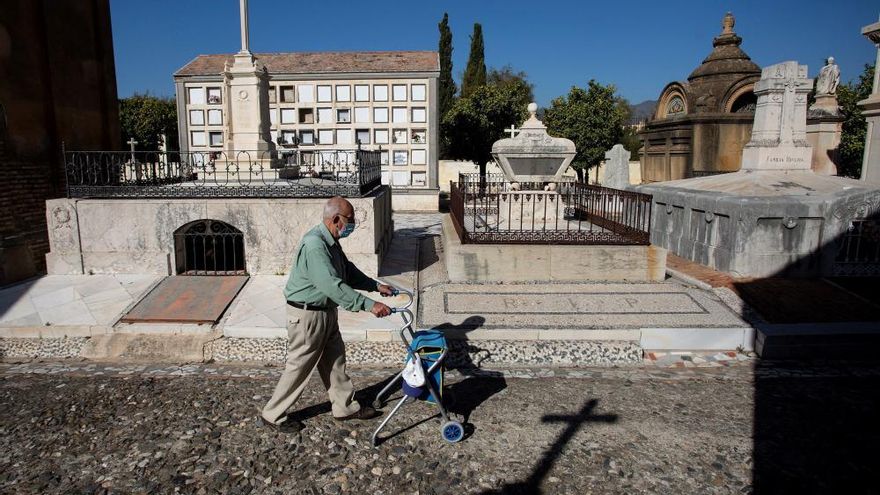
(492, 210)
(209, 174)
(859, 251)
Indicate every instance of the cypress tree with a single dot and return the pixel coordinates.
(446, 84)
(475, 72)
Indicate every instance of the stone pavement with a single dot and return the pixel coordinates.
(72, 305)
(749, 428)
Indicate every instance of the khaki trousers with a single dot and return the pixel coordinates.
(313, 339)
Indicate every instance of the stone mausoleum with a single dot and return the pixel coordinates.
(776, 215)
(701, 125)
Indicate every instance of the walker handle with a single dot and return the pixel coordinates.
(395, 291)
(407, 322)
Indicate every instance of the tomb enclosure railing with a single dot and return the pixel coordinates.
(222, 174)
(493, 210)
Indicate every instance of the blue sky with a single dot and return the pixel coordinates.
(638, 46)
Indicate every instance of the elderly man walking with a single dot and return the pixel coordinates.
(321, 280)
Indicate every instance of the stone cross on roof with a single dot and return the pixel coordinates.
(513, 131)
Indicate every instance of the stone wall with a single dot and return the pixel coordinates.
(137, 235)
(674, 149)
(58, 84)
(760, 236)
(635, 173)
(538, 262)
(416, 200)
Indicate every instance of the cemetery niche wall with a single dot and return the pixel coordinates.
(775, 216)
(306, 104)
(533, 223)
(701, 125)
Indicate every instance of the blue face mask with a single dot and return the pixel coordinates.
(347, 230)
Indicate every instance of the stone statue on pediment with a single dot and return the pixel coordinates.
(828, 79)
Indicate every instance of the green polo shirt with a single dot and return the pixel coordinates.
(323, 276)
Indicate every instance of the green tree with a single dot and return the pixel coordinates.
(446, 85)
(593, 118)
(629, 136)
(506, 76)
(852, 139)
(631, 141)
(145, 118)
(478, 120)
(475, 72)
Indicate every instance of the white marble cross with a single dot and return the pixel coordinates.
(513, 131)
(131, 142)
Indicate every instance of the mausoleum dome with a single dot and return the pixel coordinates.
(702, 124)
(727, 58)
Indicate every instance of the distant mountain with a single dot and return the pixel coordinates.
(642, 111)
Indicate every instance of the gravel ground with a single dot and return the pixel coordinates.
(628, 430)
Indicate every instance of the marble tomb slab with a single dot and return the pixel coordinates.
(571, 306)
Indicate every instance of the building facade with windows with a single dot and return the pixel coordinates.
(316, 102)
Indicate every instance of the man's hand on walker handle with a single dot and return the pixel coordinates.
(380, 310)
(385, 290)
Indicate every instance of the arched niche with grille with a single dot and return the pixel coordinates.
(673, 103)
(209, 247)
(741, 99)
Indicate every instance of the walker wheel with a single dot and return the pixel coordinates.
(378, 404)
(452, 431)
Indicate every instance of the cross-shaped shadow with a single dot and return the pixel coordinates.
(532, 485)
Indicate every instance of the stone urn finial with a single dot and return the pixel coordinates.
(727, 24)
(533, 110)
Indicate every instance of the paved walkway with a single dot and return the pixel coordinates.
(57, 305)
(750, 428)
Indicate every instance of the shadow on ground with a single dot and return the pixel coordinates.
(816, 429)
(573, 423)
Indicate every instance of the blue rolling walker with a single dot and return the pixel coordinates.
(430, 345)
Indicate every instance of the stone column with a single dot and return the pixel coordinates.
(245, 36)
(247, 98)
(824, 126)
(871, 111)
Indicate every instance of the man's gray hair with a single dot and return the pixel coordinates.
(333, 207)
